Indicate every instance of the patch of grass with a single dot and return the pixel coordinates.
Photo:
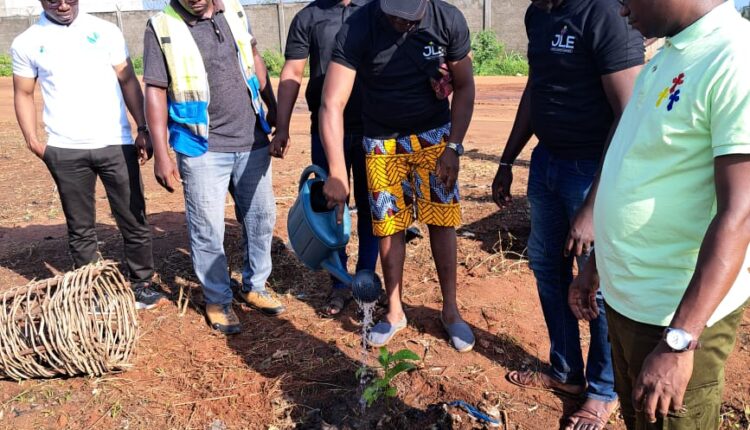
(274, 61)
(138, 65)
(6, 69)
(491, 58)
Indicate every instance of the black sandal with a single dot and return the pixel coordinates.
(337, 301)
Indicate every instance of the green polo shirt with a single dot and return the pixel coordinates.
(656, 195)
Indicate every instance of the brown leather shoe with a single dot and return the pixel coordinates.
(223, 319)
(263, 301)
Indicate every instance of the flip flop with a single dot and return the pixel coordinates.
(531, 379)
(337, 302)
(460, 335)
(382, 332)
(591, 419)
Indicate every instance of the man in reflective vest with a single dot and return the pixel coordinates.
(205, 89)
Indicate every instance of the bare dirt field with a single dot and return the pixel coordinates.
(297, 370)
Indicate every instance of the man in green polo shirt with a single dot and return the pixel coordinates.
(672, 217)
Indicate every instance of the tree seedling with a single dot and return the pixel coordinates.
(391, 365)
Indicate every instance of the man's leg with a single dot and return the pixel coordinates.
(549, 227)
(392, 255)
(633, 342)
(443, 246)
(340, 292)
(390, 193)
(205, 181)
(367, 257)
(256, 207)
(574, 179)
(439, 208)
(76, 183)
(118, 168)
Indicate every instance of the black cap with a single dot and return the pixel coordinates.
(410, 10)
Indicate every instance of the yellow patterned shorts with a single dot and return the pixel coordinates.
(400, 173)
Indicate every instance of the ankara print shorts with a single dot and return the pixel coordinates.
(402, 184)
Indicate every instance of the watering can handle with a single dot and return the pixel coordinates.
(313, 168)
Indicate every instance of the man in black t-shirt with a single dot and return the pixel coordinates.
(313, 34)
(408, 55)
(583, 59)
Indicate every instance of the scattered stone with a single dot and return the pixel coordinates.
(217, 425)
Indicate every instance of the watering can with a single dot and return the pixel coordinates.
(317, 238)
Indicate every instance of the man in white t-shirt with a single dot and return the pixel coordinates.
(87, 79)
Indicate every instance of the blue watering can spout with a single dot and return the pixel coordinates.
(316, 237)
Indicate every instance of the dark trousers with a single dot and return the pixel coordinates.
(75, 172)
(354, 157)
(632, 342)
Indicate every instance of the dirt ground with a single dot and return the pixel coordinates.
(297, 370)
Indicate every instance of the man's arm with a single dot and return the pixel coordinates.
(665, 374)
(336, 91)
(462, 108)
(133, 95)
(23, 101)
(266, 89)
(618, 87)
(519, 137)
(291, 79)
(165, 168)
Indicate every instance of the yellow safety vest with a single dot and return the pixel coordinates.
(188, 92)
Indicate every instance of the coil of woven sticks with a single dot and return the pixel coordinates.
(81, 322)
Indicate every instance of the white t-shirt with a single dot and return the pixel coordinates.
(83, 103)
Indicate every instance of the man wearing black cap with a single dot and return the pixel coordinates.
(409, 55)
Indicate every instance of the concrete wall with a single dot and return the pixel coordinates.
(507, 22)
(506, 19)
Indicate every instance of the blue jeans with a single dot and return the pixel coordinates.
(557, 189)
(206, 181)
(354, 155)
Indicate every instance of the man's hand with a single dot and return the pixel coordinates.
(279, 144)
(37, 148)
(144, 147)
(166, 172)
(336, 191)
(447, 169)
(582, 292)
(501, 186)
(581, 234)
(661, 385)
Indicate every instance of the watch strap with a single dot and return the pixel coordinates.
(457, 147)
(693, 345)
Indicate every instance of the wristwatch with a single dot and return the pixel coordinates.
(143, 129)
(457, 147)
(678, 340)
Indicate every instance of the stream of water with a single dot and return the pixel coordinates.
(367, 311)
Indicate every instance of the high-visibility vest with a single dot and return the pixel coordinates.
(188, 93)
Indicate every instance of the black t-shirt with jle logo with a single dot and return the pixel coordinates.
(395, 69)
(570, 49)
(313, 34)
